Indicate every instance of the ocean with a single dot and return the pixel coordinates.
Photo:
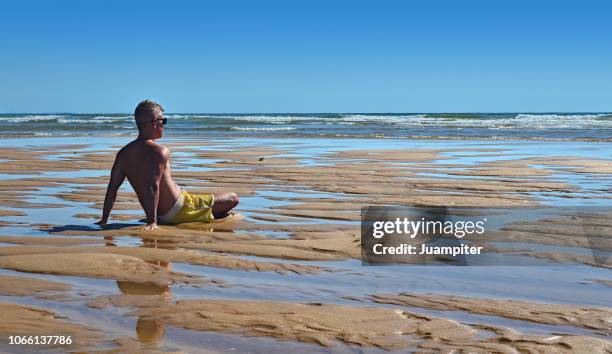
(460, 126)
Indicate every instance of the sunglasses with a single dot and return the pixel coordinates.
(163, 120)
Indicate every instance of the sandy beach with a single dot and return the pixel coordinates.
(283, 273)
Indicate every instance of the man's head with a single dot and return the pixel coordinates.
(149, 116)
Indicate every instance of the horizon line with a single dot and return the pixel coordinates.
(381, 112)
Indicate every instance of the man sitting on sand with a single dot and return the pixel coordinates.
(146, 165)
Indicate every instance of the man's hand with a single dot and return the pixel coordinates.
(102, 222)
(151, 226)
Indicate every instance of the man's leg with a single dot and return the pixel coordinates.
(224, 202)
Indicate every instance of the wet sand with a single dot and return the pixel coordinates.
(597, 318)
(23, 320)
(284, 272)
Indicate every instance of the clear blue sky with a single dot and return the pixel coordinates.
(306, 56)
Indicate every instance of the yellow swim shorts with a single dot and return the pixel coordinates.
(188, 208)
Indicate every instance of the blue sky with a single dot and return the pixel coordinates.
(306, 56)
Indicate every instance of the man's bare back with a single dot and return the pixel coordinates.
(146, 165)
(144, 162)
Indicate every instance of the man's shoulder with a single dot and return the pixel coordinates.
(138, 148)
(158, 150)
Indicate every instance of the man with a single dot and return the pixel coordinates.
(146, 165)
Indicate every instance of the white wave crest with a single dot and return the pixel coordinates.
(94, 120)
(262, 129)
(113, 118)
(541, 121)
(382, 118)
(278, 119)
(30, 118)
(519, 121)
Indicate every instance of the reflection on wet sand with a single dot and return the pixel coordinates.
(149, 331)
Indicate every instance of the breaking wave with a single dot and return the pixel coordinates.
(566, 126)
(266, 129)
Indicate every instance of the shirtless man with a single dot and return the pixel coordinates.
(146, 165)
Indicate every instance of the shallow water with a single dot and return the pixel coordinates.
(551, 284)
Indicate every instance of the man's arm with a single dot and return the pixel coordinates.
(157, 163)
(116, 179)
